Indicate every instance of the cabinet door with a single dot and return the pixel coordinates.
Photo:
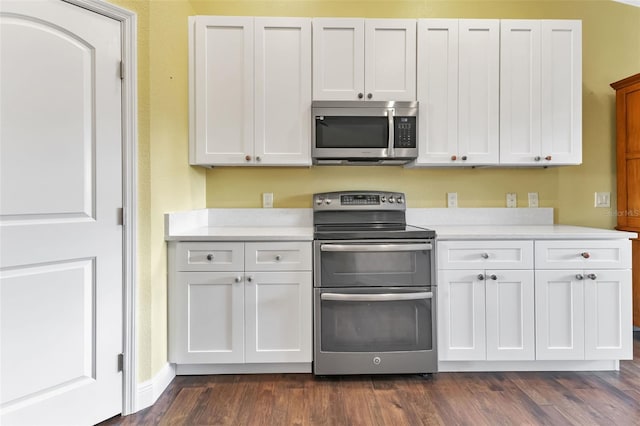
(520, 92)
(390, 59)
(207, 318)
(278, 317)
(461, 316)
(478, 91)
(561, 99)
(282, 91)
(560, 315)
(338, 59)
(608, 324)
(510, 315)
(221, 90)
(437, 91)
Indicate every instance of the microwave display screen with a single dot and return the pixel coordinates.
(352, 132)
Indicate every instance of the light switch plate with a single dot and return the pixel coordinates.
(512, 200)
(452, 199)
(533, 199)
(602, 199)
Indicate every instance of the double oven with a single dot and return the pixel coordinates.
(374, 287)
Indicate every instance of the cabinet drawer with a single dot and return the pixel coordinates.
(210, 256)
(588, 254)
(285, 256)
(485, 255)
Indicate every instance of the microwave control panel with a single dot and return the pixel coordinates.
(404, 132)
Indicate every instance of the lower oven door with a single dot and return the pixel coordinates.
(375, 330)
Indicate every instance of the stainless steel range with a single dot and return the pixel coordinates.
(374, 286)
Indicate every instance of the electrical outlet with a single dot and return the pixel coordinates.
(267, 200)
(533, 199)
(512, 200)
(452, 199)
(602, 199)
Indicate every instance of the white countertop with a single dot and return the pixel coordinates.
(449, 224)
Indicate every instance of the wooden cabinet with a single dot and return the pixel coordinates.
(540, 92)
(583, 313)
(364, 59)
(250, 91)
(486, 312)
(628, 171)
(237, 303)
(458, 92)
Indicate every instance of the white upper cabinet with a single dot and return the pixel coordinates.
(250, 91)
(458, 92)
(364, 59)
(540, 92)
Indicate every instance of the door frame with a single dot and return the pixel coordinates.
(128, 25)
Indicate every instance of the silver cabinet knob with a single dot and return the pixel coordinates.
(537, 158)
(579, 277)
(238, 279)
(481, 277)
(278, 258)
(250, 279)
(464, 158)
(258, 158)
(370, 95)
(585, 254)
(360, 95)
(210, 257)
(485, 255)
(592, 276)
(493, 277)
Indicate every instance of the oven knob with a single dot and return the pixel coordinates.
(377, 360)
(318, 201)
(400, 200)
(391, 199)
(383, 198)
(327, 201)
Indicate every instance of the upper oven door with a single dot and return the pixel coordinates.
(388, 263)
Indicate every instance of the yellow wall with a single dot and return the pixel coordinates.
(611, 46)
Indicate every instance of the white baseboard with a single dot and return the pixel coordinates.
(150, 391)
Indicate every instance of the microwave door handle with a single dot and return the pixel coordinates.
(384, 297)
(390, 149)
(375, 247)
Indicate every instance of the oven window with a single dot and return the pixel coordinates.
(355, 326)
(352, 132)
(375, 269)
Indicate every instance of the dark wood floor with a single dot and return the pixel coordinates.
(550, 398)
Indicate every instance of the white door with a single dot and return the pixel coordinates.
(461, 315)
(61, 269)
(390, 59)
(278, 316)
(221, 68)
(438, 90)
(510, 315)
(560, 315)
(282, 91)
(478, 90)
(338, 59)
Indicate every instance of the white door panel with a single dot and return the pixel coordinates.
(61, 184)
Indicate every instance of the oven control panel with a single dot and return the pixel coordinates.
(359, 200)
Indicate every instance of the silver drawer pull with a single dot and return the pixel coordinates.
(375, 247)
(278, 258)
(485, 255)
(384, 297)
(579, 277)
(592, 276)
(210, 257)
(585, 254)
(238, 279)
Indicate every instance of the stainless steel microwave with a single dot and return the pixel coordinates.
(364, 132)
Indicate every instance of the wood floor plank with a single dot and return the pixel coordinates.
(608, 398)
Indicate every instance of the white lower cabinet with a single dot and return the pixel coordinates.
(573, 303)
(259, 312)
(486, 315)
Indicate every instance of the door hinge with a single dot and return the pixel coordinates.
(120, 362)
(121, 70)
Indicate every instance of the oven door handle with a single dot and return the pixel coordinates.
(384, 297)
(375, 247)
